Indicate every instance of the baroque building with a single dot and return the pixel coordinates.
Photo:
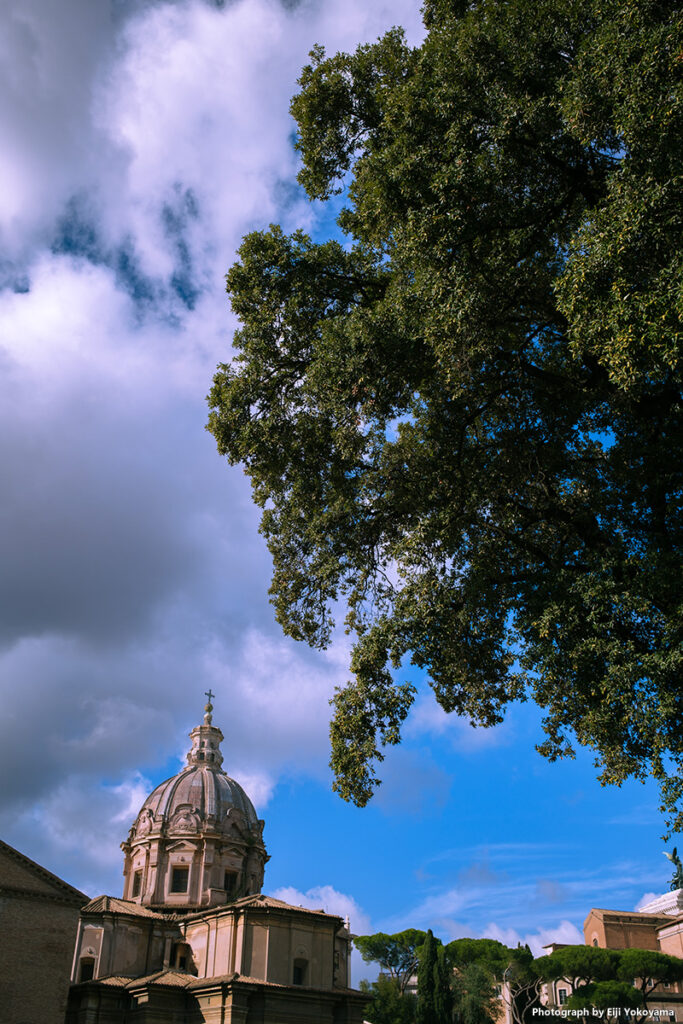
(193, 939)
(197, 841)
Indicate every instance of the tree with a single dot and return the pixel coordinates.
(426, 1009)
(513, 970)
(397, 954)
(492, 954)
(389, 1004)
(647, 969)
(579, 965)
(465, 422)
(603, 994)
(474, 995)
(522, 986)
(608, 977)
(433, 984)
(443, 996)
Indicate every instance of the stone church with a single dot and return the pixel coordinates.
(193, 939)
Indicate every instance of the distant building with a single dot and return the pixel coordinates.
(38, 921)
(658, 926)
(193, 939)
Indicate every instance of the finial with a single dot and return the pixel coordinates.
(208, 708)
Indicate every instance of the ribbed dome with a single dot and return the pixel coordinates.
(197, 840)
(207, 791)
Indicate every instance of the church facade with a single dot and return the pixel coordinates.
(193, 939)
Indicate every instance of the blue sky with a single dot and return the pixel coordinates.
(141, 140)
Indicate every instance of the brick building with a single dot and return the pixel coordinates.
(38, 921)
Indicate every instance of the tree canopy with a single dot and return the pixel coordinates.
(579, 965)
(491, 953)
(397, 954)
(609, 977)
(603, 994)
(463, 422)
(648, 968)
(389, 1005)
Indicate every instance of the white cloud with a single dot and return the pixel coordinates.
(427, 718)
(564, 932)
(646, 898)
(329, 899)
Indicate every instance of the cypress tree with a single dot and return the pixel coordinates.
(443, 997)
(426, 976)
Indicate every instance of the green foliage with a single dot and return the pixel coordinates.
(466, 423)
(608, 977)
(493, 955)
(397, 954)
(649, 968)
(474, 995)
(602, 994)
(434, 1000)
(443, 997)
(523, 985)
(579, 965)
(426, 1009)
(389, 1004)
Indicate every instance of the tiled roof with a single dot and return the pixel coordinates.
(632, 913)
(113, 905)
(270, 903)
(181, 979)
(176, 979)
(198, 983)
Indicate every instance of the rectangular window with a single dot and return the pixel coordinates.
(562, 996)
(230, 883)
(137, 883)
(179, 879)
(87, 969)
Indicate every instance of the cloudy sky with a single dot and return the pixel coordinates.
(140, 140)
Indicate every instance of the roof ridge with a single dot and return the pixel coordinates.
(40, 870)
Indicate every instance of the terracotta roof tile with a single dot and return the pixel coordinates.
(111, 904)
(176, 979)
(270, 903)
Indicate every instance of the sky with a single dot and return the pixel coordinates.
(141, 139)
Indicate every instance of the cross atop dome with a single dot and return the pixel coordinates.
(208, 707)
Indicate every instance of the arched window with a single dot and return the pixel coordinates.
(137, 884)
(300, 971)
(86, 968)
(181, 956)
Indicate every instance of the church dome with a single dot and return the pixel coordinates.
(207, 791)
(197, 840)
